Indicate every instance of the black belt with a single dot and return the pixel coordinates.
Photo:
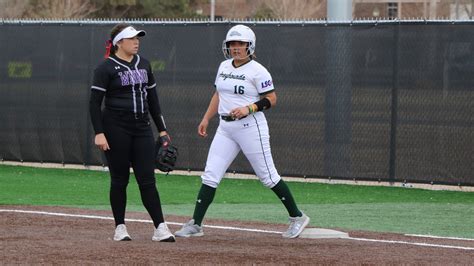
(229, 118)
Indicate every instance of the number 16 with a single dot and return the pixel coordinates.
(238, 89)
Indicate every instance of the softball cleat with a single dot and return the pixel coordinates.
(190, 229)
(297, 225)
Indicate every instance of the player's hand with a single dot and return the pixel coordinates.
(101, 142)
(164, 139)
(202, 128)
(239, 112)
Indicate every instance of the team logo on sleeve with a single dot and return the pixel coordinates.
(266, 84)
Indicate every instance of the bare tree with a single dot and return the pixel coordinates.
(467, 8)
(13, 8)
(61, 9)
(297, 9)
(116, 8)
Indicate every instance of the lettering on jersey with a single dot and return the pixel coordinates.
(267, 83)
(133, 77)
(231, 76)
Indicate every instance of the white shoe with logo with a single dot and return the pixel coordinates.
(163, 234)
(190, 229)
(121, 233)
(297, 224)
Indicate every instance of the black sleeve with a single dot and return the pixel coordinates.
(101, 78)
(155, 110)
(151, 79)
(95, 111)
(100, 82)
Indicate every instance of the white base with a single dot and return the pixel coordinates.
(322, 233)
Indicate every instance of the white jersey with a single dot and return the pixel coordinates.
(241, 86)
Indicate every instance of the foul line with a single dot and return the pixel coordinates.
(442, 237)
(238, 229)
(411, 243)
(137, 220)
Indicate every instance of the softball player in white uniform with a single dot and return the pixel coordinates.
(244, 88)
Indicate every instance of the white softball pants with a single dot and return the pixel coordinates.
(250, 135)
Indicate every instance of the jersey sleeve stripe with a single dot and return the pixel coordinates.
(163, 120)
(152, 86)
(266, 92)
(98, 88)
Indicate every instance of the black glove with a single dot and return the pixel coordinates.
(166, 154)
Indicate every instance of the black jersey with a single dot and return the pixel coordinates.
(125, 83)
(127, 87)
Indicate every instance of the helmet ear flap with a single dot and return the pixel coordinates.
(250, 48)
(226, 49)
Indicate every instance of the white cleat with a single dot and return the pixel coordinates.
(297, 225)
(190, 229)
(163, 234)
(121, 233)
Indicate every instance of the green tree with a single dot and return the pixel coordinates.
(167, 8)
(113, 8)
(264, 12)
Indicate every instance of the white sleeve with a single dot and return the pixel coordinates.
(217, 75)
(263, 81)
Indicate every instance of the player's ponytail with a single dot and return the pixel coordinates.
(108, 47)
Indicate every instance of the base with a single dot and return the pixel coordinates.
(322, 233)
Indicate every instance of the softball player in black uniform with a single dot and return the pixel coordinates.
(123, 129)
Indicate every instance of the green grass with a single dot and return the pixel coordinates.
(346, 207)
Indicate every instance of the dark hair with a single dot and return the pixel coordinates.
(114, 32)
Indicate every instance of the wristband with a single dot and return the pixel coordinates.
(263, 104)
(251, 108)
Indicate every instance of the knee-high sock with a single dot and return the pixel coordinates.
(284, 194)
(151, 201)
(204, 199)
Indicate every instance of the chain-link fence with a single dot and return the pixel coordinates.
(386, 101)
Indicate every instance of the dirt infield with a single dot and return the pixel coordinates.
(33, 238)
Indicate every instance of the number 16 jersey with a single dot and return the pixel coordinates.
(241, 86)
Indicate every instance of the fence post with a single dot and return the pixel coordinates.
(394, 105)
(338, 101)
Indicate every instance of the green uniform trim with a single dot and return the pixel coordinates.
(284, 194)
(204, 199)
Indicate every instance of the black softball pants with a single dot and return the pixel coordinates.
(132, 144)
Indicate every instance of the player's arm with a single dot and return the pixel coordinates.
(266, 101)
(95, 112)
(98, 89)
(210, 113)
(155, 111)
(154, 104)
(272, 97)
